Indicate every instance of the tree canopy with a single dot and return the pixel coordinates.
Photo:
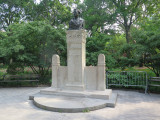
(126, 31)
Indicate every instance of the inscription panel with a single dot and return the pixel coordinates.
(77, 36)
(74, 46)
(75, 52)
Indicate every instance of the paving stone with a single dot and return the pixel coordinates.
(131, 105)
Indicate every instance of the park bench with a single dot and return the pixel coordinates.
(18, 79)
(153, 81)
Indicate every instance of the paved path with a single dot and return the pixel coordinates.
(131, 105)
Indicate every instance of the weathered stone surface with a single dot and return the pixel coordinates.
(90, 74)
(55, 66)
(131, 105)
(76, 40)
(55, 60)
(62, 76)
(76, 79)
(76, 75)
(87, 93)
(101, 60)
(101, 84)
(72, 104)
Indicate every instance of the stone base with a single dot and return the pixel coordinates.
(71, 104)
(88, 94)
(74, 87)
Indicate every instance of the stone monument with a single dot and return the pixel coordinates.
(76, 79)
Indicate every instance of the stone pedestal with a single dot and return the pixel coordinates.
(76, 82)
(76, 40)
(76, 76)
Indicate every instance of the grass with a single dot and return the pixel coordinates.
(148, 71)
(1, 73)
(86, 110)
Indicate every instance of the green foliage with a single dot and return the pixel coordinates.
(86, 110)
(94, 13)
(126, 78)
(11, 12)
(1, 75)
(15, 68)
(2, 36)
(126, 62)
(96, 45)
(127, 12)
(148, 71)
(55, 12)
(148, 38)
(128, 56)
(34, 43)
(36, 32)
(113, 47)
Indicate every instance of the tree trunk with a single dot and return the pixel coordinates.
(127, 29)
(127, 34)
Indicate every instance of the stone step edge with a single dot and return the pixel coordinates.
(109, 103)
(78, 94)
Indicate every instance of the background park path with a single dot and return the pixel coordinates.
(131, 105)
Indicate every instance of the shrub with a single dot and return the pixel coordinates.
(15, 68)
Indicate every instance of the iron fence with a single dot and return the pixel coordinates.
(127, 78)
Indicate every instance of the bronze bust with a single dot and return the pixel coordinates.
(76, 22)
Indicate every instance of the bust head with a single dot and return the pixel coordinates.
(76, 13)
(76, 22)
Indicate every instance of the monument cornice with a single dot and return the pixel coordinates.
(76, 36)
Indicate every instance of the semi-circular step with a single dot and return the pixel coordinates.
(71, 104)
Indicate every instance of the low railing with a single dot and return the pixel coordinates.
(127, 78)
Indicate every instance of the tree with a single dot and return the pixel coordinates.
(148, 39)
(33, 44)
(2, 36)
(11, 12)
(55, 12)
(94, 13)
(127, 12)
(96, 45)
(103, 13)
(114, 46)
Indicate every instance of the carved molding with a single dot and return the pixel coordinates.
(78, 36)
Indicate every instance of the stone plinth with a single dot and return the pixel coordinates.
(76, 40)
(72, 104)
(89, 94)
